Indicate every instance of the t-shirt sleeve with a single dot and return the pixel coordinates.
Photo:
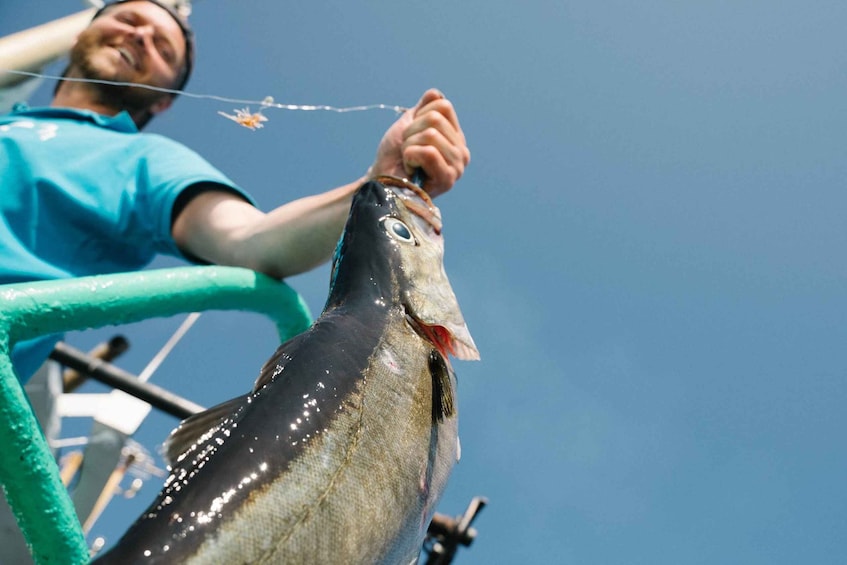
(170, 169)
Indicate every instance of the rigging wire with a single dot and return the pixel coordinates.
(157, 360)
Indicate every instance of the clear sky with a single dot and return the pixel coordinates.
(648, 247)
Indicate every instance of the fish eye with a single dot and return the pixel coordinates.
(397, 229)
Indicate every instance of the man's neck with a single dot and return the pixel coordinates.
(76, 95)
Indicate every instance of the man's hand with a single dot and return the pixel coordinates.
(428, 137)
(220, 227)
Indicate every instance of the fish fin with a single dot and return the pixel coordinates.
(276, 364)
(192, 429)
(443, 405)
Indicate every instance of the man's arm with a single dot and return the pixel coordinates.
(221, 228)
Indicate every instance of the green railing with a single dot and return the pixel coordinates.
(28, 471)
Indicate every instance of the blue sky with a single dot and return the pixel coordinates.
(648, 247)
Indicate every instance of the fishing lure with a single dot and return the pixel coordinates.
(244, 117)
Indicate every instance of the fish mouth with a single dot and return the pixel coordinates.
(456, 341)
(451, 338)
(416, 200)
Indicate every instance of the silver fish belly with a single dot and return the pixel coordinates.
(342, 449)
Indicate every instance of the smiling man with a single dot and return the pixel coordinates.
(83, 192)
(131, 42)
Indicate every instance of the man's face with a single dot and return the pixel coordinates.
(136, 42)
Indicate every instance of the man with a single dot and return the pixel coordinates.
(84, 193)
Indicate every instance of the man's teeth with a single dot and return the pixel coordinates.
(127, 55)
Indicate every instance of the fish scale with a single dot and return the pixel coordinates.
(342, 449)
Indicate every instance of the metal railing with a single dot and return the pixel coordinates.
(28, 471)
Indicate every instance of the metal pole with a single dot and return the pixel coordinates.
(116, 377)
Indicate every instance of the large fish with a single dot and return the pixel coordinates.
(343, 447)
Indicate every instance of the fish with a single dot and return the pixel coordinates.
(344, 445)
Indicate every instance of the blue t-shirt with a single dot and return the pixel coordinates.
(84, 194)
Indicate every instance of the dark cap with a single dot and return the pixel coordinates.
(183, 25)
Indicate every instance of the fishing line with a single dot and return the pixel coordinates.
(265, 103)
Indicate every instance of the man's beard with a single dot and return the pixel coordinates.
(134, 100)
